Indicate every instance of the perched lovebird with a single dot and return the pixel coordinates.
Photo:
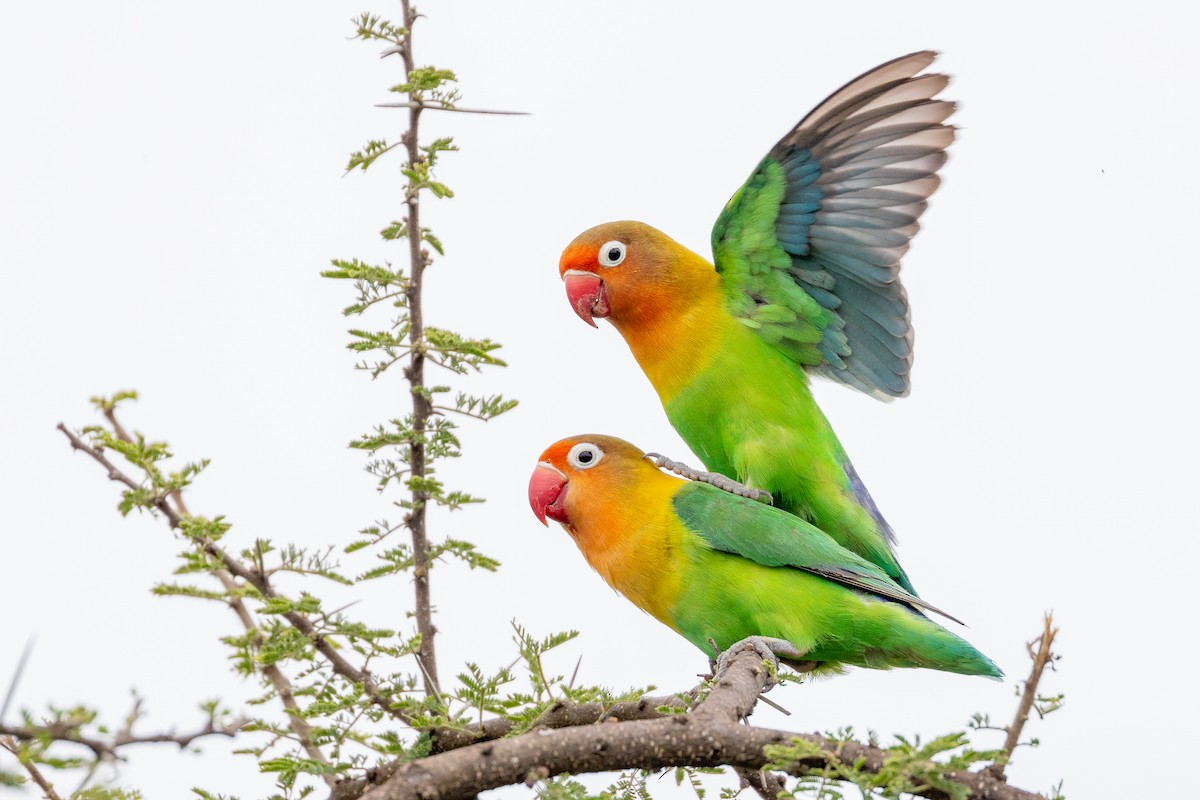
(713, 565)
(807, 257)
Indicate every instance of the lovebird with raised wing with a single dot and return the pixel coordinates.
(715, 566)
(805, 281)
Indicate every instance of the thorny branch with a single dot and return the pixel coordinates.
(253, 577)
(415, 374)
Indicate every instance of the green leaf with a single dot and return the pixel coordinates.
(423, 79)
(371, 152)
(371, 26)
(110, 402)
(284, 643)
(394, 230)
(106, 793)
(177, 590)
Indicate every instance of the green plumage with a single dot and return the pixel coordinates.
(749, 414)
(806, 257)
(751, 570)
(808, 251)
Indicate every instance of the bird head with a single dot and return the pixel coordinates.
(622, 271)
(576, 477)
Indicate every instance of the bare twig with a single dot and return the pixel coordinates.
(1041, 657)
(106, 748)
(183, 740)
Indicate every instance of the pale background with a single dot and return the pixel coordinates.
(170, 186)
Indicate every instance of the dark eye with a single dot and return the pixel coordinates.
(611, 253)
(584, 455)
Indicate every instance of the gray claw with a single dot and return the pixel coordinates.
(771, 650)
(711, 478)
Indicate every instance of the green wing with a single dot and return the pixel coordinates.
(809, 248)
(774, 538)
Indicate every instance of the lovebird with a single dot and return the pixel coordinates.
(713, 565)
(804, 281)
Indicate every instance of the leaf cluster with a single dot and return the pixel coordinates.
(909, 766)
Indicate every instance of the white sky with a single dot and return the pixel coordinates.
(170, 186)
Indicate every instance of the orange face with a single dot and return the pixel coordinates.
(623, 271)
(577, 475)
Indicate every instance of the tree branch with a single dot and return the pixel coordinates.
(464, 772)
(106, 749)
(710, 735)
(766, 785)
(115, 474)
(415, 373)
(1041, 658)
(47, 788)
(253, 577)
(559, 715)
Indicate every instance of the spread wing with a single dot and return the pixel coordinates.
(775, 538)
(809, 248)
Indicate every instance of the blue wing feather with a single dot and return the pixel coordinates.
(844, 192)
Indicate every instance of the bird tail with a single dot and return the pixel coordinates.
(920, 642)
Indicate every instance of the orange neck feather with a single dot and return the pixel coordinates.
(627, 530)
(675, 325)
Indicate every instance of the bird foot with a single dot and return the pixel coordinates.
(771, 650)
(711, 478)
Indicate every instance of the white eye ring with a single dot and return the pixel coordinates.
(584, 455)
(611, 253)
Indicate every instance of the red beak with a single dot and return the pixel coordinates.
(547, 493)
(586, 292)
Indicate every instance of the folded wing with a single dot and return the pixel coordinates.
(774, 538)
